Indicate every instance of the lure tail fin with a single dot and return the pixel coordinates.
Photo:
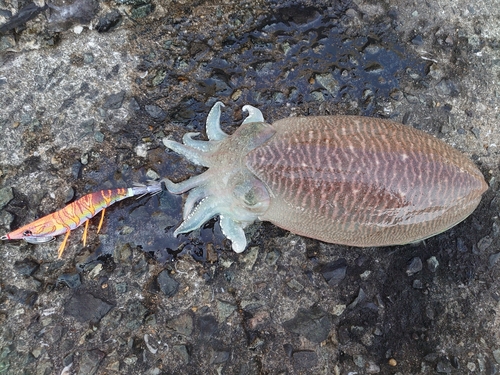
(151, 187)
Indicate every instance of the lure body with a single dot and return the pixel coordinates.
(76, 214)
(349, 180)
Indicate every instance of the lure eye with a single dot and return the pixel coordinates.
(27, 233)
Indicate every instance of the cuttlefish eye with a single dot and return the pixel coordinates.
(27, 233)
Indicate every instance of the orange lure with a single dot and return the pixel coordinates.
(75, 214)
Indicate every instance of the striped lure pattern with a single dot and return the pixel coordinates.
(349, 180)
(76, 214)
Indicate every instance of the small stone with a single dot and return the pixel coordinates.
(99, 137)
(295, 285)
(496, 355)
(114, 101)
(372, 368)
(182, 324)
(225, 309)
(338, 309)
(6, 219)
(461, 246)
(493, 259)
(432, 264)
(471, 366)
(417, 40)
(359, 299)
(141, 12)
(328, 82)
(414, 266)
(444, 366)
(182, 351)
(484, 243)
(417, 284)
(392, 362)
(219, 357)
(313, 323)
(27, 267)
(334, 272)
(6, 195)
(304, 360)
(90, 362)
(156, 112)
(87, 308)
(88, 58)
(167, 285)
(152, 175)
(250, 257)
(359, 361)
(72, 281)
(110, 20)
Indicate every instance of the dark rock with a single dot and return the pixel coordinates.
(219, 357)
(109, 21)
(71, 280)
(414, 266)
(6, 195)
(26, 13)
(87, 308)
(27, 267)
(207, 326)
(183, 352)
(23, 296)
(141, 11)
(359, 299)
(114, 101)
(156, 112)
(135, 314)
(90, 362)
(334, 272)
(166, 284)
(313, 323)
(432, 264)
(134, 105)
(461, 246)
(493, 259)
(418, 40)
(444, 366)
(182, 324)
(417, 284)
(304, 360)
(484, 243)
(288, 348)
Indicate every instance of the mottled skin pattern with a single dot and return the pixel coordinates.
(349, 180)
(362, 181)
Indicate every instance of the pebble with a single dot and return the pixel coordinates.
(182, 324)
(313, 323)
(334, 272)
(304, 360)
(156, 112)
(71, 280)
(87, 308)
(114, 101)
(432, 264)
(6, 195)
(484, 243)
(183, 352)
(26, 267)
(414, 266)
(493, 259)
(108, 21)
(167, 285)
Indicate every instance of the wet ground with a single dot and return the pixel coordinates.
(87, 92)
